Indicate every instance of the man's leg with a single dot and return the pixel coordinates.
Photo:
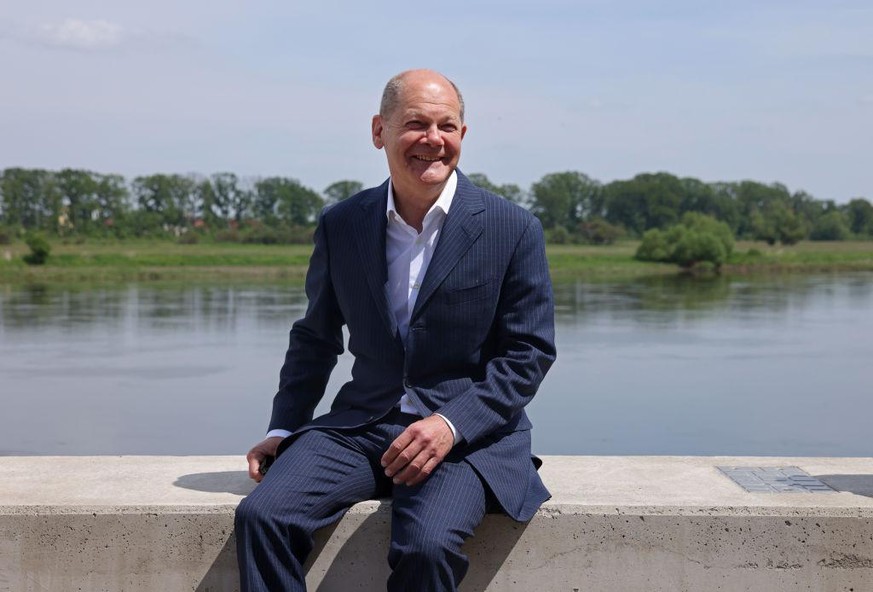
(309, 486)
(429, 523)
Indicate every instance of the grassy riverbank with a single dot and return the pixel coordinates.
(169, 261)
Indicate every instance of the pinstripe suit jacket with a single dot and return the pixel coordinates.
(480, 339)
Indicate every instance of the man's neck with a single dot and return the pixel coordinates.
(413, 207)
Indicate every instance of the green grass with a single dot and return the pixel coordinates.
(616, 260)
(156, 260)
(169, 261)
(804, 256)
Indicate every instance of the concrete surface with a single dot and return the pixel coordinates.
(614, 523)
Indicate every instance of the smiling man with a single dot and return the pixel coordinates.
(445, 291)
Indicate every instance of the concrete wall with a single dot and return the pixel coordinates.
(614, 523)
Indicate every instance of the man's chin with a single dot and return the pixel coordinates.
(435, 176)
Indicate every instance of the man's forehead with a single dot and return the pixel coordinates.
(435, 110)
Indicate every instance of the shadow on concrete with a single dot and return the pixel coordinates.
(363, 561)
(857, 484)
(236, 482)
(488, 549)
(353, 551)
(223, 574)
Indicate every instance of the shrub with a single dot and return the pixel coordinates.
(5, 236)
(600, 232)
(654, 247)
(558, 236)
(281, 235)
(39, 248)
(697, 239)
(229, 235)
(188, 238)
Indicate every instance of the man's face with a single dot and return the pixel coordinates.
(421, 136)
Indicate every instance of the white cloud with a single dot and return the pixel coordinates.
(80, 34)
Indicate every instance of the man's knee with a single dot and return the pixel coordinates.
(262, 513)
(251, 514)
(425, 544)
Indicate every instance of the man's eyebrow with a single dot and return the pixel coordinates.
(411, 115)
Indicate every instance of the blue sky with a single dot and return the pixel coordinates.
(766, 90)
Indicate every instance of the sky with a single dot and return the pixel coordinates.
(768, 90)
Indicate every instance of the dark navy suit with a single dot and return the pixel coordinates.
(480, 340)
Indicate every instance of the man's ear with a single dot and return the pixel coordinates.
(463, 131)
(377, 132)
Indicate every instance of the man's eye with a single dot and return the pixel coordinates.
(449, 127)
(416, 125)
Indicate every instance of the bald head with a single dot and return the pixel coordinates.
(395, 87)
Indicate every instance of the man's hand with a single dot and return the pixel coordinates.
(258, 453)
(418, 450)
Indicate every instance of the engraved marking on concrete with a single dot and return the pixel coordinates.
(775, 480)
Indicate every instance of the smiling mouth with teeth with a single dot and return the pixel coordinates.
(427, 158)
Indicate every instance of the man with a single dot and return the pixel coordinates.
(445, 292)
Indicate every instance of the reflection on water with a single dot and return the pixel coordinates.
(664, 365)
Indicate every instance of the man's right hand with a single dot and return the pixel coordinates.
(258, 453)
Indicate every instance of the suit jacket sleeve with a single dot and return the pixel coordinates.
(525, 335)
(315, 342)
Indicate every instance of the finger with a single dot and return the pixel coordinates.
(403, 458)
(425, 472)
(411, 469)
(396, 447)
(254, 465)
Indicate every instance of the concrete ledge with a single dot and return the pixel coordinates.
(615, 523)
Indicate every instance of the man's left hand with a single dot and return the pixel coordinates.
(414, 455)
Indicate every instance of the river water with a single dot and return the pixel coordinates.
(775, 365)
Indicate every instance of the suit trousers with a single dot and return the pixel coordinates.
(324, 472)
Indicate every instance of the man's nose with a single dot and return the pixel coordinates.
(432, 136)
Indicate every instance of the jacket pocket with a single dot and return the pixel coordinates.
(456, 295)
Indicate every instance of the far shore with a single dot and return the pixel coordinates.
(134, 261)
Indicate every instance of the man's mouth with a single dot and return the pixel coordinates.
(427, 158)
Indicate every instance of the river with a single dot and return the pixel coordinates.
(772, 365)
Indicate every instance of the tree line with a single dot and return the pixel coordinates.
(572, 206)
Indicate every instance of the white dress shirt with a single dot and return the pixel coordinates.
(408, 254)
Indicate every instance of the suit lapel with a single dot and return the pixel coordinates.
(461, 228)
(370, 238)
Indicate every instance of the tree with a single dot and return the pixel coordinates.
(832, 226)
(697, 239)
(30, 199)
(222, 196)
(510, 191)
(169, 201)
(777, 222)
(78, 191)
(207, 199)
(644, 202)
(225, 200)
(280, 198)
(808, 209)
(768, 213)
(340, 190)
(112, 202)
(565, 199)
(860, 216)
(713, 199)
